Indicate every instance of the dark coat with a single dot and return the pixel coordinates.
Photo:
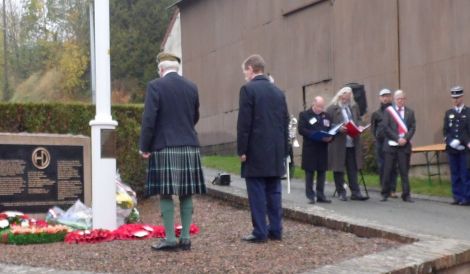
(390, 128)
(314, 152)
(375, 121)
(171, 111)
(456, 126)
(262, 129)
(337, 148)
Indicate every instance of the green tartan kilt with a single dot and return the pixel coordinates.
(175, 171)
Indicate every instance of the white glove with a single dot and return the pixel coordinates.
(454, 144)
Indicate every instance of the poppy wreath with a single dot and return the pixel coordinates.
(124, 232)
(17, 228)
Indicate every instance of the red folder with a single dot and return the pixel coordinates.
(353, 130)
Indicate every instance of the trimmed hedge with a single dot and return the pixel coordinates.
(74, 119)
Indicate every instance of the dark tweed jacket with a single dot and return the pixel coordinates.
(170, 114)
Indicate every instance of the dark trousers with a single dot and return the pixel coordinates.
(400, 156)
(458, 176)
(309, 192)
(380, 156)
(351, 171)
(264, 197)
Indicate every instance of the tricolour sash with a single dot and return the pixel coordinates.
(402, 128)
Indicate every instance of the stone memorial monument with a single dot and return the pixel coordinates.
(39, 171)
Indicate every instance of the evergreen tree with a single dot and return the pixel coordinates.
(137, 29)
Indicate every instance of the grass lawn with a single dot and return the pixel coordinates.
(231, 164)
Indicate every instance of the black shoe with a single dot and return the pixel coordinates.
(164, 245)
(274, 237)
(455, 202)
(253, 239)
(408, 200)
(359, 197)
(464, 203)
(185, 244)
(342, 197)
(323, 200)
(384, 199)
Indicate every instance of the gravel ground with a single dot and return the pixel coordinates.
(216, 249)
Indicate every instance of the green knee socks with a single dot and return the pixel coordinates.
(186, 212)
(168, 212)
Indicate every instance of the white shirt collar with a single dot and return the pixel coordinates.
(168, 71)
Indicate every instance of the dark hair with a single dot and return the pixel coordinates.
(256, 62)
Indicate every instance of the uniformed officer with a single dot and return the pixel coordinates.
(457, 138)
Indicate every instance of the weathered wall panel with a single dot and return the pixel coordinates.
(421, 46)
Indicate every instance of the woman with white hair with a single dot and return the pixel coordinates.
(344, 152)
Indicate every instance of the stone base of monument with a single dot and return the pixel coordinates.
(39, 171)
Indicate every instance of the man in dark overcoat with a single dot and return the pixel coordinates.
(399, 126)
(457, 138)
(262, 144)
(315, 149)
(345, 152)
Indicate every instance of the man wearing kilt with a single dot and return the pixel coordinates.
(169, 140)
(262, 144)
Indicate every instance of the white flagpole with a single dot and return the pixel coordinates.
(103, 166)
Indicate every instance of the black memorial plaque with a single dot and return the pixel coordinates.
(34, 178)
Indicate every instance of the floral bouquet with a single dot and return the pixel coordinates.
(126, 202)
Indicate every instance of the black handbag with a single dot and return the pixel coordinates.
(222, 179)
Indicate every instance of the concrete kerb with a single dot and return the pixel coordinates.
(419, 254)
(446, 200)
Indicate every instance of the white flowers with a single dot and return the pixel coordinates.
(4, 224)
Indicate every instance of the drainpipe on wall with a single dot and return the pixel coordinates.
(398, 45)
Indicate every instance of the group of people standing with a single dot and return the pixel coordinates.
(169, 141)
(340, 153)
(392, 126)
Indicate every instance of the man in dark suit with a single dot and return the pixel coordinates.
(315, 149)
(399, 126)
(262, 144)
(457, 138)
(169, 140)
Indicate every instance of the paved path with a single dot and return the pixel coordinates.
(20, 269)
(428, 215)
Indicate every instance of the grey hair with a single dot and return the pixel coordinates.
(341, 92)
(399, 93)
(166, 65)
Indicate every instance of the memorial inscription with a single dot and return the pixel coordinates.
(34, 178)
